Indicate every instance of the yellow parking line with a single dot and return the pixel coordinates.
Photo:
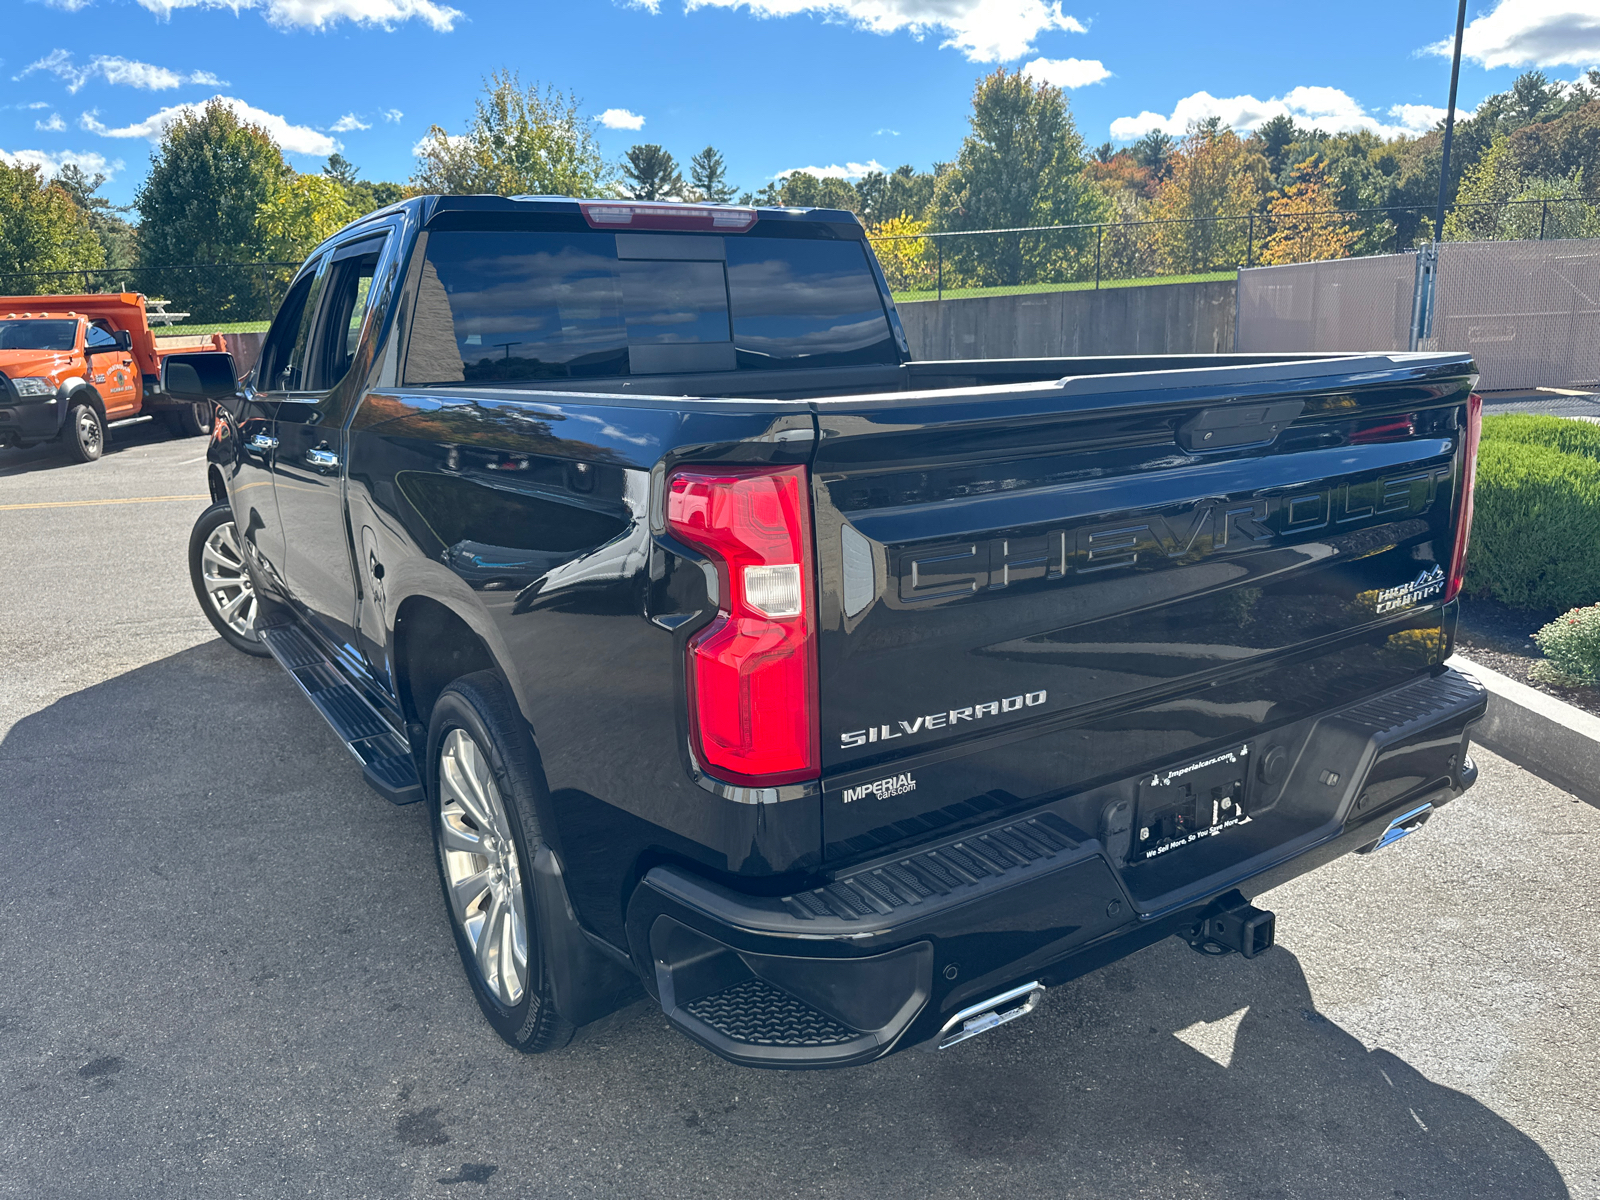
(85, 503)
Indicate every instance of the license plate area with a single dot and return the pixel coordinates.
(1185, 804)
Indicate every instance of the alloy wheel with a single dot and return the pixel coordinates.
(227, 581)
(482, 869)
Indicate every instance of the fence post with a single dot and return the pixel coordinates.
(1544, 211)
(1250, 243)
(1099, 232)
(86, 283)
(940, 244)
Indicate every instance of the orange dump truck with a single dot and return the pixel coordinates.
(72, 365)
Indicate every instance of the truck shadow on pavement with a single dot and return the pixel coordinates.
(51, 455)
(203, 782)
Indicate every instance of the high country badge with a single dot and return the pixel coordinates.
(1428, 583)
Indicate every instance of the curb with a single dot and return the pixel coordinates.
(1551, 738)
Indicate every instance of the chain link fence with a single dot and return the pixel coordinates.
(200, 296)
(1528, 312)
(953, 265)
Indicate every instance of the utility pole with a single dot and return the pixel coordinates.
(1422, 295)
(1450, 121)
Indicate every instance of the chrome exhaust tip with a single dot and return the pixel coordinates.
(990, 1014)
(1406, 822)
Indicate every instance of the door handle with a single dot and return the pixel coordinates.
(261, 443)
(322, 459)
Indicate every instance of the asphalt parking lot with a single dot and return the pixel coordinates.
(225, 970)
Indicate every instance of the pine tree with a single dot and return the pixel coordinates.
(652, 174)
(709, 175)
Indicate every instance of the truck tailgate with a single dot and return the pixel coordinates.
(1030, 589)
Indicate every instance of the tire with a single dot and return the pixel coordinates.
(222, 580)
(191, 420)
(85, 433)
(481, 783)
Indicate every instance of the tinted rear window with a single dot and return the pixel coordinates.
(506, 305)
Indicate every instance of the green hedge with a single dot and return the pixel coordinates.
(1536, 529)
(1557, 433)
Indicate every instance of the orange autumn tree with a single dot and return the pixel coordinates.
(1299, 226)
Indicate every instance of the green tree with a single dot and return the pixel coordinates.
(1499, 202)
(651, 173)
(804, 190)
(1216, 181)
(521, 141)
(341, 170)
(1021, 165)
(904, 192)
(208, 177)
(709, 176)
(1153, 152)
(302, 211)
(115, 235)
(41, 229)
(1276, 137)
(364, 196)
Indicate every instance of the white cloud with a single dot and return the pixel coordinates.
(318, 14)
(850, 170)
(349, 122)
(115, 70)
(69, 5)
(1066, 72)
(1541, 33)
(621, 118)
(293, 139)
(393, 114)
(36, 104)
(1326, 108)
(455, 139)
(54, 125)
(984, 30)
(890, 132)
(1419, 118)
(51, 164)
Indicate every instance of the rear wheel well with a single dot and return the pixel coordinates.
(433, 648)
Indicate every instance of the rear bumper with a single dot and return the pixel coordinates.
(881, 955)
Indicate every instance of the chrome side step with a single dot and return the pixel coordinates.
(990, 1014)
(384, 755)
(1398, 828)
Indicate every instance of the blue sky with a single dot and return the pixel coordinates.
(774, 84)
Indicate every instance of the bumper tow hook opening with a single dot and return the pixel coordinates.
(990, 1014)
(1406, 822)
(1235, 926)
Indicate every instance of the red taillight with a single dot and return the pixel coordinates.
(752, 672)
(634, 214)
(1469, 476)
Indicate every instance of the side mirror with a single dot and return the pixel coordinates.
(123, 338)
(209, 375)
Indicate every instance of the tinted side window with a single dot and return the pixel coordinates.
(802, 303)
(283, 356)
(99, 339)
(344, 310)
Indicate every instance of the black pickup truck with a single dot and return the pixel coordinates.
(840, 701)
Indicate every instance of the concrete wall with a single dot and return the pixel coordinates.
(245, 348)
(1163, 318)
